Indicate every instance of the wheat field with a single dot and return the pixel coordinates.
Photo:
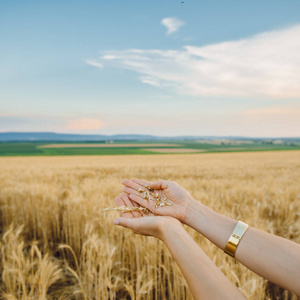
(56, 243)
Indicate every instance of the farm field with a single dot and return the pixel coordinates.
(138, 147)
(57, 243)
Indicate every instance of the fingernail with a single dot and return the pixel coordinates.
(116, 222)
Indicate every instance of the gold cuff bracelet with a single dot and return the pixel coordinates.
(235, 237)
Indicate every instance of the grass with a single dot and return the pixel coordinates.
(56, 242)
(32, 149)
(132, 148)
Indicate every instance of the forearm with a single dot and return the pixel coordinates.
(272, 257)
(275, 258)
(216, 227)
(205, 280)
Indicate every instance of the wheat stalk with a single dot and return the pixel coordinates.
(56, 199)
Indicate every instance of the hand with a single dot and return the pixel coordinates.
(175, 194)
(143, 224)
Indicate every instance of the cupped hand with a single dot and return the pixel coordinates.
(144, 224)
(179, 198)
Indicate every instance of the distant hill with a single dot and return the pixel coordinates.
(51, 136)
(57, 137)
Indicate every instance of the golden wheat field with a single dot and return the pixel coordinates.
(56, 243)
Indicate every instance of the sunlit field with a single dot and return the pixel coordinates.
(56, 243)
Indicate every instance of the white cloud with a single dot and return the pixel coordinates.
(149, 80)
(110, 57)
(172, 24)
(266, 64)
(94, 63)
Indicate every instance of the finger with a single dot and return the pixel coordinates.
(141, 182)
(129, 191)
(144, 203)
(137, 205)
(120, 202)
(131, 184)
(143, 214)
(134, 187)
(159, 185)
(133, 192)
(129, 203)
(125, 222)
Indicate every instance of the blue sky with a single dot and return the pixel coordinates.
(151, 67)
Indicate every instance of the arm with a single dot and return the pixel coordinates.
(203, 277)
(272, 257)
(205, 280)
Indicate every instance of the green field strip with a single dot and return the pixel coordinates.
(31, 149)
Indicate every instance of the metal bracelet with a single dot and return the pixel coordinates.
(235, 238)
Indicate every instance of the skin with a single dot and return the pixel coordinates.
(205, 280)
(272, 257)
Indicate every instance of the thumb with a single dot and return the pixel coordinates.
(159, 185)
(125, 222)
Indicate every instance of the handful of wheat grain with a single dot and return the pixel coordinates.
(124, 209)
(148, 194)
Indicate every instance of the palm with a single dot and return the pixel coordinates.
(123, 200)
(178, 197)
(149, 225)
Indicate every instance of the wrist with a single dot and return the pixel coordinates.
(194, 210)
(169, 228)
(214, 226)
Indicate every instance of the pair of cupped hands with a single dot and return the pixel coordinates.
(160, 219)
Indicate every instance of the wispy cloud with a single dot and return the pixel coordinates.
(172, 24)
(94, 63)
(266, 64)
(149, 80)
